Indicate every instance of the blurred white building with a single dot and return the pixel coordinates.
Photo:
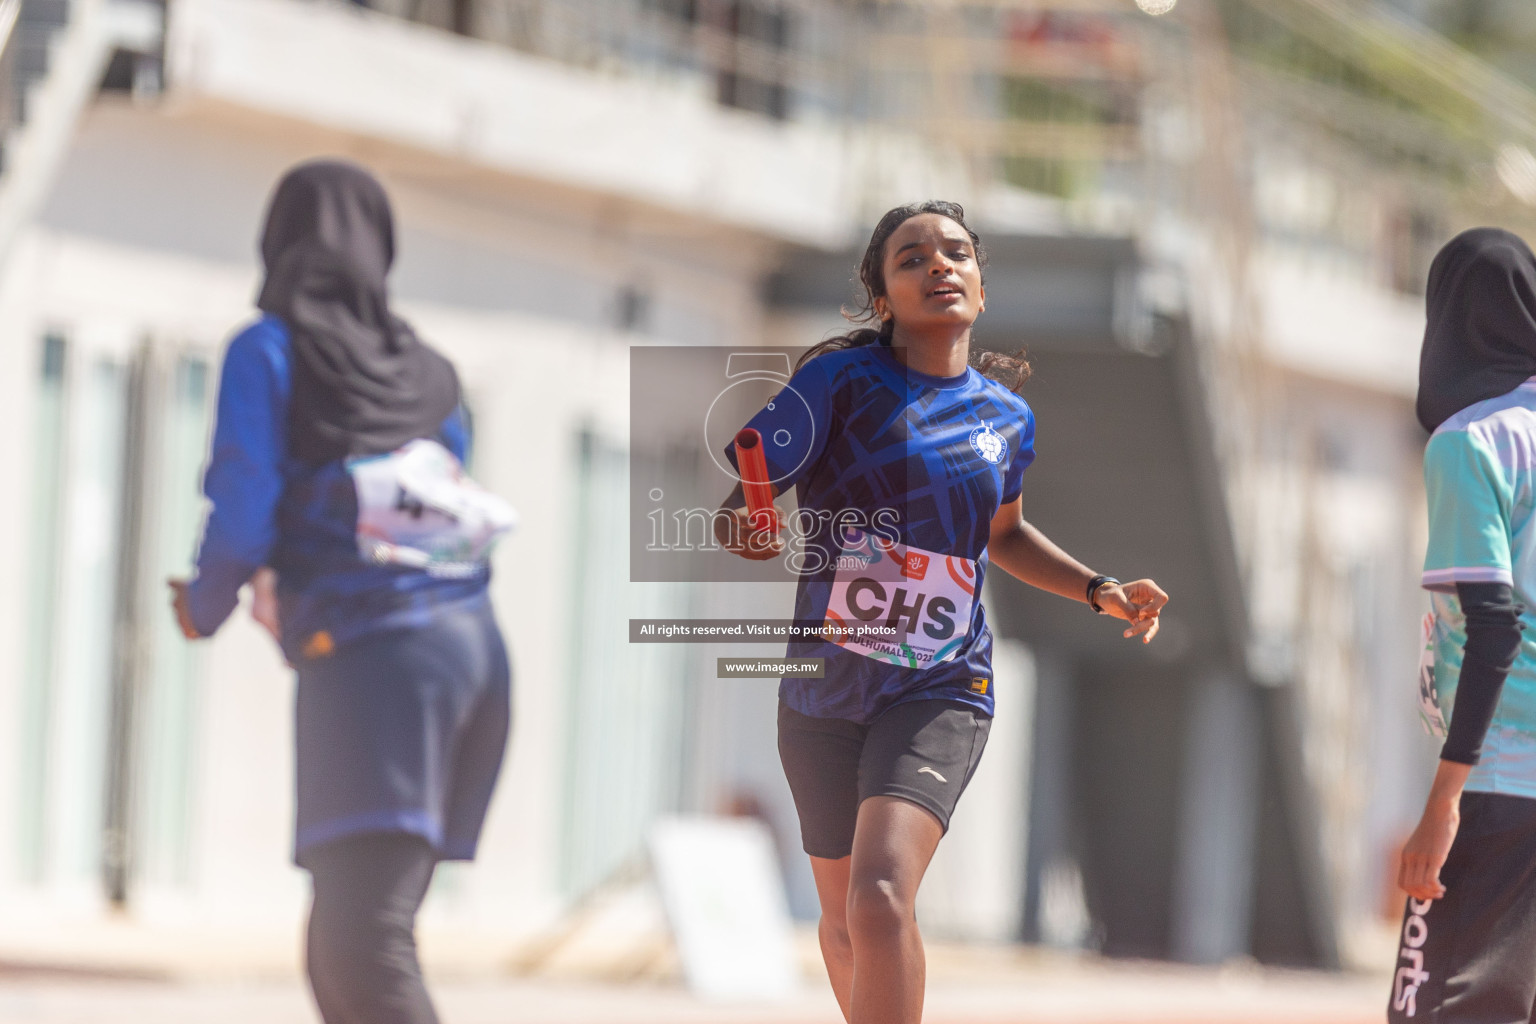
(543, 230)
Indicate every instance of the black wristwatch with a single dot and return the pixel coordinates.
(1093, 591)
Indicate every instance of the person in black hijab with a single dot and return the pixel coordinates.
(1468, 947)
(1480, 339)
(336, 469)
(363, 383)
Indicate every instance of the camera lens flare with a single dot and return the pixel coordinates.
(1156, 6)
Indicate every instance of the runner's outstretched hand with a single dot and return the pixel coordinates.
(1139, 603)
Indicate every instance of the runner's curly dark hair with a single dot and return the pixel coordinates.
(1009, 370)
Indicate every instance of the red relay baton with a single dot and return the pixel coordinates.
(753, 468)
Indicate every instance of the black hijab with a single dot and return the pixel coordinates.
(1480, 341)
(363, 383)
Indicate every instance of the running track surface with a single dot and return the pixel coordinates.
(1115, 996)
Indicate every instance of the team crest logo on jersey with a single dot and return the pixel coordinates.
(989, 444)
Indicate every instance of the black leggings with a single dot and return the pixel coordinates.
(362, 929)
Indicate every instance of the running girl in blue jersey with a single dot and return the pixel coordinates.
(337, 462)
(908, 465)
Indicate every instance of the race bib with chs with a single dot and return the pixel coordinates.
(899, 604)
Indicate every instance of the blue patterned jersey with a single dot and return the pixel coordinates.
(898, 475)
(268, 508)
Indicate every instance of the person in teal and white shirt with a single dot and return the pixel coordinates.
(1467, 952)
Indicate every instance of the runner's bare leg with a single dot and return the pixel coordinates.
(892, 845)
(836, 947)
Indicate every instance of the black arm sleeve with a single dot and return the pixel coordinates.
(1493, 639)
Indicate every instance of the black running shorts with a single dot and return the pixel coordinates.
(1471, 955)
(924, 751)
